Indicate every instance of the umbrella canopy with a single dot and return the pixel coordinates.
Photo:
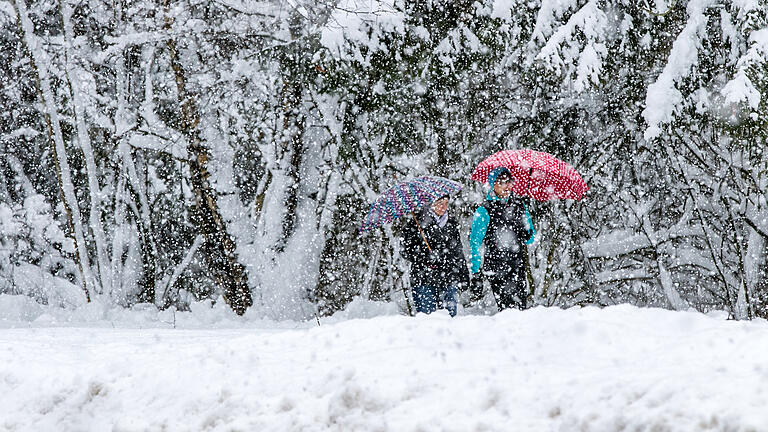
(406, 197)
(538, 175)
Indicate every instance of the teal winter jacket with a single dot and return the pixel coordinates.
(480, 222)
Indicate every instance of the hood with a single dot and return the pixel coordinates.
(492, 176)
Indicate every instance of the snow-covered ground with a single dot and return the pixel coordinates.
(616, 369)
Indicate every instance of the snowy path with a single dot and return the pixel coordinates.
(620, 368)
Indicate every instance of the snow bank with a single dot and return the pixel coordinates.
(620, 368)
(19, 311)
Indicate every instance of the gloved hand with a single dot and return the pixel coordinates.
(476, 287)
(433, 260)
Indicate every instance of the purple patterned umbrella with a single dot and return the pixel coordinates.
(406, 197)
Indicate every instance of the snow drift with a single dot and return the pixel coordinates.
(619, 368)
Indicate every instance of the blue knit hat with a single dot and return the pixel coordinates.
(495, 173)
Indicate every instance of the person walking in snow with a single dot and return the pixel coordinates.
(432, 244)
(504, 225)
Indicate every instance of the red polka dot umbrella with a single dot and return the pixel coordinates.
(538, 175)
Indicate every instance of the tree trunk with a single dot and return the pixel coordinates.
(120, 198)
(219, 248)
(138, 188)
(56, 138)
(94, 190)
(292, 143)
(441, 164)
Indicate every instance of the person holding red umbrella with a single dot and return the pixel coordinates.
(504, 225)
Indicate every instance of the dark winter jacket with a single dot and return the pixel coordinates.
(504, 235)
(445, 264)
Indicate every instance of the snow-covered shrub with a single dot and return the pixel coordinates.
(35, 254)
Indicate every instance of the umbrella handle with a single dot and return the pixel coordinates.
(421, 231)
(530, 179)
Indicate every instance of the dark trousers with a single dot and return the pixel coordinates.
(509, 288)
(428, 299)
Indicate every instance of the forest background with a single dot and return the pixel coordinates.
(166, 152)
